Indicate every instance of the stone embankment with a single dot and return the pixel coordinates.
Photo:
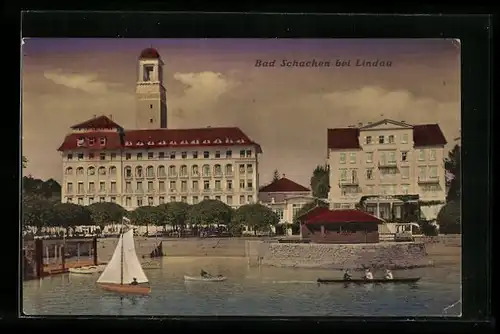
(332, 256)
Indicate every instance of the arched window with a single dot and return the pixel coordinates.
(69, 171)
(79, 171)
(172, 171)
(194, 170)
(184, 170)
(206, 170)
(229, 170)
(150, 171)
(128, 171)
(217, 170)
(91, 170)
(112, 170)
(138, 171)
(102, 170)
(161, 170)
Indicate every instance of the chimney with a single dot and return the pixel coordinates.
(95, 116)
(111, 116)
(283, 176)
(360, 124)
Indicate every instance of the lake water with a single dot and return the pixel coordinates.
(248, 291)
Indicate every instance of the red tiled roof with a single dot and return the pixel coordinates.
(160, 138)
(344, 138)
(316, 211)
(283, 185)
(101, 122)
(149, 53)
(344, 216)
(423, 135)
(428, 135)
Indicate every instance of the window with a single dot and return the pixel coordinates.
(195, 186)
(242, 199)
(69, 187)
(206, 170)
(404, 139)
(404, 189)
(242, 169)
(242, 153)
(161, 186)
(250, 199)
(91, 200)
(369, 157)
(206, 154)
(102, 187)
(342, 158)
(217, 154)
(195, 199)
(381, 139)
(195, 155)
(229, 184)
(279, 213)
(91, 171)
(161, 171)
(172, 171)
(91, 156)
(206, 185)
(112, 170)
(404, 156)
(433, 172)
(112, 199)
(249, 184)
(139, 186)
(173, 186)
(391, 139)
(151, 155)
(343, 174)
(147, 72)
(242, 184)
(139, 156)
(184, 186)
(184, 155)
(113, 156)
(161, 199)
(102, 156)
(248, 153)
(138, 171)
(151, 107)
(368, 140)
(184, 199)
(161, 155)
(79, 171)
(229, 200)
(69, 171)
(432, 155)
(172, 155)
(70, 156)
(128, 156)
(80, 156)
(382, 157)
(172, 198)
(217, 185)
(405, 172)
(150, 186)
(392, 157)
(80, 188)
(194, 170)
(421, 172)
(91, 187)
(295, 210)
(217, 170)
(250, 168)
(229, 170)
(128, 187)
(102, 170)
(421, 155)
(184, 170)
(206, 198)
(369, 174)
(150, 201)
(352, 158)
(229, 154)
(128, 201)
(139, 201)
(80, 201)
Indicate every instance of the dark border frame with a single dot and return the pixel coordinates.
(474, 31)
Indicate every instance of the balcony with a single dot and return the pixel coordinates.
(128, 177)
(151, 191)
(229, 174)
(162, 176)
(349, 182)
(172, 190)
(428, 180)
(150, 176)
(184, 175)
(195, 175)
(388, 164)
(249, 189)
(206, 175)
(139, 176)
(207, 190)
(218, 190)
(218, 174)
(172, 175)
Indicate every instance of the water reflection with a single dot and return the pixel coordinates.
(248, 291)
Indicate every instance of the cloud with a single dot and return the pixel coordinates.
(86, 82)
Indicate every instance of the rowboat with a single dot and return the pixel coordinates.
(88, 270)
(219, 278)
(124, 268)
(364, 281)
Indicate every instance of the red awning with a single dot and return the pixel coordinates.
(313, 213)
(343, 216)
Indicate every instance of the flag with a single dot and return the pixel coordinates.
(121, 134)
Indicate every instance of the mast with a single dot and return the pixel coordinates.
(121, 257)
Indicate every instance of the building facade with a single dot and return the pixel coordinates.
(385, 161)
(285, 197)
(151, 165)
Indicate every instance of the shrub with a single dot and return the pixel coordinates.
(449, 218)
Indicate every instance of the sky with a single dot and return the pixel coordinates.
(214, 82)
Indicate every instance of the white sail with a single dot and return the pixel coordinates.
(131, 265)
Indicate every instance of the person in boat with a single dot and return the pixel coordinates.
(368, 275)
(134, 281)
(204, 274)
(347, 275)
(388, 274)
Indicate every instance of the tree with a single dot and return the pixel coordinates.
(320, 182)
(69, 215)
(256, 216)
(174, 214)
(37, 212)
(449, 218)
(308, 207)
(24, 162)
(452, 166)
(208, 212)
(276, 176)
(105, 213)
(147, 215)
(49, 189)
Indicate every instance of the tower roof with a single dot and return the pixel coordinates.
(149, 53)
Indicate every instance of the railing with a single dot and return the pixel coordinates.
(387, 164)
(428, 179)
(349, 182)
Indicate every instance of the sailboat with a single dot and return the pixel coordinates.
(124, 268)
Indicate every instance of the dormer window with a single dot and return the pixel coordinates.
(80, 141)
(172, 142)
(151, 142)
(102, 140)
(206, 141)
(381, 139)
(184, 142)
(368, 140)
(140, 143)
(148, 72)
(91, 141)
(128, 143)
(218, 141)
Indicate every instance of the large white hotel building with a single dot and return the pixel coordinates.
(386, 159)
(152, 164)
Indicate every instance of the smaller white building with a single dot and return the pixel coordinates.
(286, 198)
